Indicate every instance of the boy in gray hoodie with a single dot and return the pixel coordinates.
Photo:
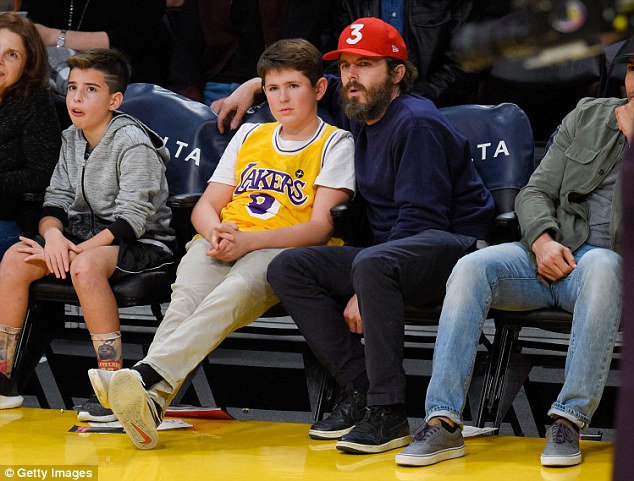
(104, 216)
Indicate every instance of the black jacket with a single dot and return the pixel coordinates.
(29, 148)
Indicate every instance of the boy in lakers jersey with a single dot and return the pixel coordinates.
(273, 189)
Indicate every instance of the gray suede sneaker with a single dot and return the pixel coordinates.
(562, 446)
(432, 444)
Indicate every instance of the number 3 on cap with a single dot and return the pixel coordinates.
(355, 34)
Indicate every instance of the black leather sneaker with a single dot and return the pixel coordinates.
(382, 428)
(346, 413)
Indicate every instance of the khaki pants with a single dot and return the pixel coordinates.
(210, 300)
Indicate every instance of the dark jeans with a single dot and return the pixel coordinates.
(315, 284)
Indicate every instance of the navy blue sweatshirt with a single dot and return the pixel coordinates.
(415, 172)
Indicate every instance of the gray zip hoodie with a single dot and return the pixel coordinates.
(120, 186)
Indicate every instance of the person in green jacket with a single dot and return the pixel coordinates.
(570, 219)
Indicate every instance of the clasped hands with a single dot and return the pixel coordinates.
(57, 254)
(227, 242)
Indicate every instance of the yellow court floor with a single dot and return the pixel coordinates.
(33, 441)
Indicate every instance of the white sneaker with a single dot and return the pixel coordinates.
(10, 402)
(100, 380)
(134, 408)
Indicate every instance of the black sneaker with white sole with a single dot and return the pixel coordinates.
(382, 428)
(347, 412)
(93, 411)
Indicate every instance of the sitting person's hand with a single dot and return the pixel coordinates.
(231, 109)
(554, 261)
(225, 245)
(32, 248)
(352, 316)
(625, 118)
(223, 231)
(59, 252)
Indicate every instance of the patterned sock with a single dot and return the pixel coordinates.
(109, 350)
(8, 342)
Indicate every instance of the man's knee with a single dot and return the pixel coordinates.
(601, 267)
(282, 266)
(370, 262)
(597, 262)
(470, 268)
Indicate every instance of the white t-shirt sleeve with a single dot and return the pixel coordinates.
(225, 172)
(337, 171)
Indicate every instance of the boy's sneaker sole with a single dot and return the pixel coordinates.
(427, 459)
(357, 448)
(133, 407)
(328, 435)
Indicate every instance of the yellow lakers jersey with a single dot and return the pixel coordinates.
(275, 187)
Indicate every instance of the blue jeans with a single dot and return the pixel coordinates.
(9, 232)
(502, 277)
(215, 90)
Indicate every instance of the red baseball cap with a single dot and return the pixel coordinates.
(370, 37)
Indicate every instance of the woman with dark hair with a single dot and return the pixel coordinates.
(29, 142)
(29, 129)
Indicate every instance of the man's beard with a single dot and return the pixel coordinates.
(377, 100)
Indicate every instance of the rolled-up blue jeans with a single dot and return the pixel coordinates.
(503, 277)
(9, 232)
